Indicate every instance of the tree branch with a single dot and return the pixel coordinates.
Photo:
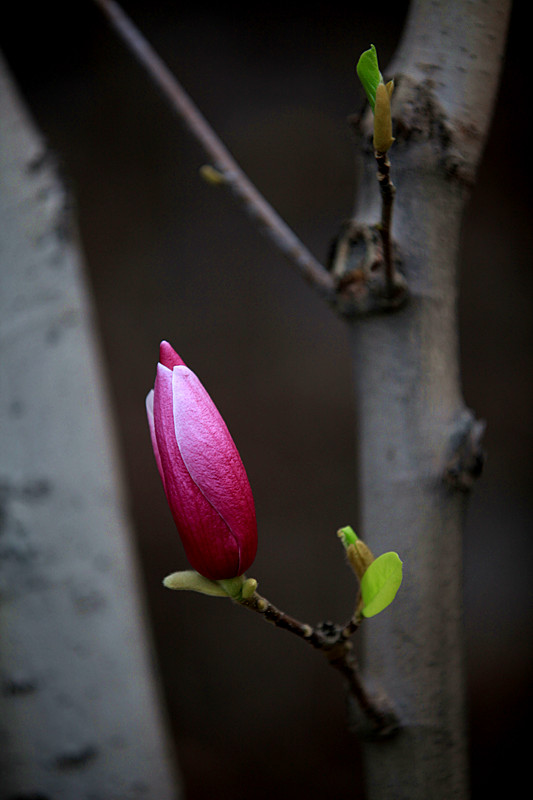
(387, 190)
(333, 641)
(415, 436)
(231, 174)
(79, 711)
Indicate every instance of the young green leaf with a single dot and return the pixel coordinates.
(369, 74)
(347, 535)
(380, 583)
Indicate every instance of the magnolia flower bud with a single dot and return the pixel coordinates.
(203, 476)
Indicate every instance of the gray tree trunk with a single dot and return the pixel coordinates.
(412, 420)
(79, 712)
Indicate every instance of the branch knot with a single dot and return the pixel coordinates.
(357, 265)
(467, 458)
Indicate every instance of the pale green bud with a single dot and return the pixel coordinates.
(232, 586)
(248, 588)
(190, 580)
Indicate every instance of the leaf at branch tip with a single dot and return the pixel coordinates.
(192, 581)
(380, 583)
(369, 74)
(347, 535)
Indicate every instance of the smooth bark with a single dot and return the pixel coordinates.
(79, 712)
(414, 430)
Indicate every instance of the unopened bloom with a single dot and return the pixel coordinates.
(203, 476)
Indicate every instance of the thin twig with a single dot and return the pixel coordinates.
(388, 191)
(256, 205)
(333, 641)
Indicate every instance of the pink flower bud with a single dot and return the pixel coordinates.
(203, 476)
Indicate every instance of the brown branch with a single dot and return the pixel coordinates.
(387, 190)
(232, 175)
(333, 641)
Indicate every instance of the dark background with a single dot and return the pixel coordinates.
(251, 710)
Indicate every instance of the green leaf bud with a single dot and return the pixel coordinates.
(379, 95)
(359, 554)
(360, 557)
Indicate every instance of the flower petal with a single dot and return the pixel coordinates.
(150, 415)
(209, 544)
(212, 460)
(168, 356)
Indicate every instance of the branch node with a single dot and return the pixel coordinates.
(384, 726)
(358, 267)
(467, 457)
(332, 640)
(420, 117)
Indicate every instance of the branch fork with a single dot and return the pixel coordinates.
(366, 270)
(376, 718)
(379, 579)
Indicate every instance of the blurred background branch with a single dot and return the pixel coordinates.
(225, 166)
(80, 713)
